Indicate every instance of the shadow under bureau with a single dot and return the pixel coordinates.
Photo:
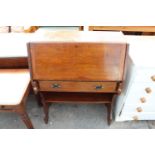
(80, 71)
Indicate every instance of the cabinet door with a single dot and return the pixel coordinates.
(140, 98)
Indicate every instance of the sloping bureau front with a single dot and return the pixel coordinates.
(77, 61)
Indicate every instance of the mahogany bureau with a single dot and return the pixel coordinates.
(77, 67)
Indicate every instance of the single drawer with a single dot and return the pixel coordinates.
(66, 86)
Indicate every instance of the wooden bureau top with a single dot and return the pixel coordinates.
(86, 59)
(79, 36)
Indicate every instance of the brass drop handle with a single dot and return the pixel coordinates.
(143, 99)
(153, 78)
(56, 85)
(98, 87)
(139, 109)
(148, 90)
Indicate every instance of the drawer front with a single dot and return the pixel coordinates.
(66, 86)
(145, 75)
(138, 108)
(140, 99)
(141, 93)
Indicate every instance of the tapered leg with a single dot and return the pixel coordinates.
(45, 108)
(24, 116)
(46, 111)
(109, 113)
(38, 98)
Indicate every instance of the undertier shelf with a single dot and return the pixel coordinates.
(71, 97)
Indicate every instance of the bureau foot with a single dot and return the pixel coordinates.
(46, 119)
(109, 113)
(46, 111)
(45, 108)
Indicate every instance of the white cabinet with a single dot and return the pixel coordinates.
(137, 100)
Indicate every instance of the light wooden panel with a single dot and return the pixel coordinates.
(124, 28)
